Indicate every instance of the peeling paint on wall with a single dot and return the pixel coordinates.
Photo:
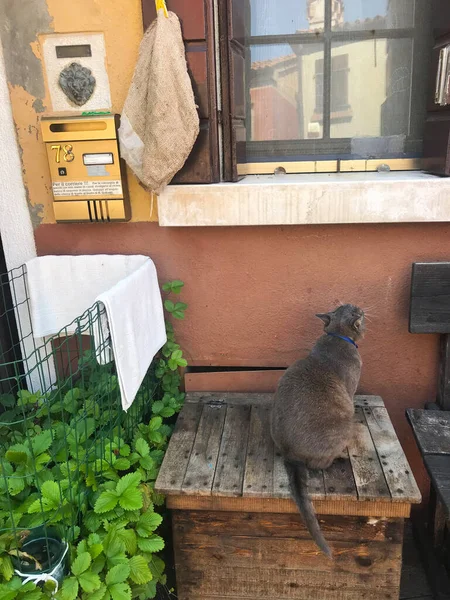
(15, 223)
(33, 155)
(19, 34)
(23, 25)
(36, 210)
(38, 105)
(20, 24)
(36, 213)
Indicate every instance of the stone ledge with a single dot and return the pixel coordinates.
(316, 199)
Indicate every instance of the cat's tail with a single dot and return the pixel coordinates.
(298, 479)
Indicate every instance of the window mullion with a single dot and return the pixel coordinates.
(327, 71)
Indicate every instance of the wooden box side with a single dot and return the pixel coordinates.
(271, 556)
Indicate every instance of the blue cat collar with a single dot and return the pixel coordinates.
(344, 337)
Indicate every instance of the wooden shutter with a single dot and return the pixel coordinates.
(234, 21)
(437, 128)
(197, 23)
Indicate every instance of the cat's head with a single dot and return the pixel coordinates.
(347, 320)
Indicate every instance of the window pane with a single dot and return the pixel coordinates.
(357, 90)
(372, 14)
(275, 17)
(286, 92)
(371, 94)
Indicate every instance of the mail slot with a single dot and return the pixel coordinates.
(88, 176)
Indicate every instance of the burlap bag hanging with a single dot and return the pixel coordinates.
(159, 123)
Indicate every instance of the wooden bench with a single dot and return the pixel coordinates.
(237, 532)
(432, 432)
(430, 313)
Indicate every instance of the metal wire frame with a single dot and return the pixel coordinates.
(60, 414)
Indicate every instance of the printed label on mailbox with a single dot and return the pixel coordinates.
(88, 188)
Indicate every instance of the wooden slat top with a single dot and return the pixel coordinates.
(432, 432)
(221, 449)
(431, 429)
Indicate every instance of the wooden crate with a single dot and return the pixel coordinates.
(237, 532)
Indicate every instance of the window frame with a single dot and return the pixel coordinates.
(222, 153)
(316, 150)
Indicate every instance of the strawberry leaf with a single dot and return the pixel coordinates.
(69, 590)
(139, 570)
(89, 582)
(42, 442)
(169, 305)
(101, 594)
(51, 492)
(147, 523)
(107, 501)
(154, 543)
(155, 423)
(130, 481)
(142, 447)
(81, 563)
(131, 499)
(117, 574)
(120, 591)
(122, 464)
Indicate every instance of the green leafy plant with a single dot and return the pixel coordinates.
(58, 467)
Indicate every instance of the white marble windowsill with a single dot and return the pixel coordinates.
(321, 198)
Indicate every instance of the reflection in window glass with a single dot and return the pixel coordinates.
(373, 14)
(283, 92)
(339, 84)
(270, 17)
(371, 91)
(355, 89)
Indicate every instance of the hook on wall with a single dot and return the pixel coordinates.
(161, 4)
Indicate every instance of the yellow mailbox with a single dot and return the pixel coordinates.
(88, 177)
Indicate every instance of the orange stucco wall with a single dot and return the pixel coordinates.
(253, 292)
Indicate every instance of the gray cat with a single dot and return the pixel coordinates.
(312, 413)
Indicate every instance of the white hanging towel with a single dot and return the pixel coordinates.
(62, 288)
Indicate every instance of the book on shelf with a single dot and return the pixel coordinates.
(442, 93)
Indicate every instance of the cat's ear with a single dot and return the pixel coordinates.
(357, 323)
(325, 317)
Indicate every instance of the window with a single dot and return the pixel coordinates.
(336, 84)
(335, 79)
(339, 87)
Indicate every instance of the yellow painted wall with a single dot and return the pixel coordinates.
(121, 23)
